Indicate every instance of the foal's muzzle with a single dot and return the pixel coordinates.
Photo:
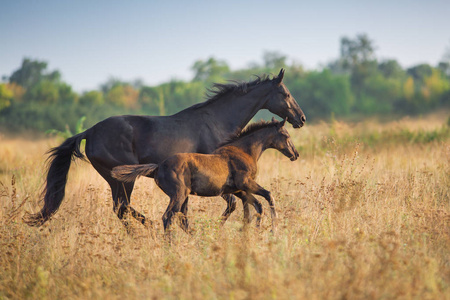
(294, 151)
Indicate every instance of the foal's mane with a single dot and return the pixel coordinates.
(247, 131)
(219, 90)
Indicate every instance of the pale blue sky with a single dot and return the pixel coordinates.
(90, 41)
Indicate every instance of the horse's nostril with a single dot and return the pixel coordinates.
(303, 118)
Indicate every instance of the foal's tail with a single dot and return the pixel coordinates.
(59, 163)
(129, 173)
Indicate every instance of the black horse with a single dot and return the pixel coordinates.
(125, 140)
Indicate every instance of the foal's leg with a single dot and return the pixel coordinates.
(247, 199)
(184, 223)
(178, 196)
(231, 206)
(254, 188)
(173, 207)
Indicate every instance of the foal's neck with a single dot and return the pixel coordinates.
(254, 144)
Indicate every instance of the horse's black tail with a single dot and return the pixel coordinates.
(129, 173)
(58, 167)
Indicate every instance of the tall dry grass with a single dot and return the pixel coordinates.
(358, 219)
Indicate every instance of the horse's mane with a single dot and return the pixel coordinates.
(219, 90)
(247, 131)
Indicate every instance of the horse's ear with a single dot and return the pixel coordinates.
(282, 123)
(273, 120)
(280, 76)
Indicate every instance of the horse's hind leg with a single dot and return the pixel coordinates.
(121, 193)
(140, 217)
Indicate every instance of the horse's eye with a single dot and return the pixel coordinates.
(284, 94)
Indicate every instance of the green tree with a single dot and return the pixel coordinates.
(92, 98)
(323, 93)
(44, 92)
(420, 72)
(32, 72)
(379, 94)
(391, 69)
(444, 64)
(6, 96)
(178, 95)
(111, 83)
(123, 95)
(357, 51)
(211, 70)
(424, 89)
(152, 100)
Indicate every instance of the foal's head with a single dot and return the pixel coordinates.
(281, 141)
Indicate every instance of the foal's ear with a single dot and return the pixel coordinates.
(273, 120)
(280, 124)
(280, 76)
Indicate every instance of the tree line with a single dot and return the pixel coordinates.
(357, 83)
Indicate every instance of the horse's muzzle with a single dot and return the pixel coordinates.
(299, 122)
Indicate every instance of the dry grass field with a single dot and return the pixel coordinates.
(363, 214)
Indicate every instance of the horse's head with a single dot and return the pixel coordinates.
(282, 141)
(281, 103)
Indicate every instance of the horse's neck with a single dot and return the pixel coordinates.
(232, 113)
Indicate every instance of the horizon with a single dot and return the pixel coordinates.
(157, 42)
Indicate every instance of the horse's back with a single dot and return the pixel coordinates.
(131, 139)
(111, 142)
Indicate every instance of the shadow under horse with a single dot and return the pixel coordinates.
(231, 169)
(129, 139)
